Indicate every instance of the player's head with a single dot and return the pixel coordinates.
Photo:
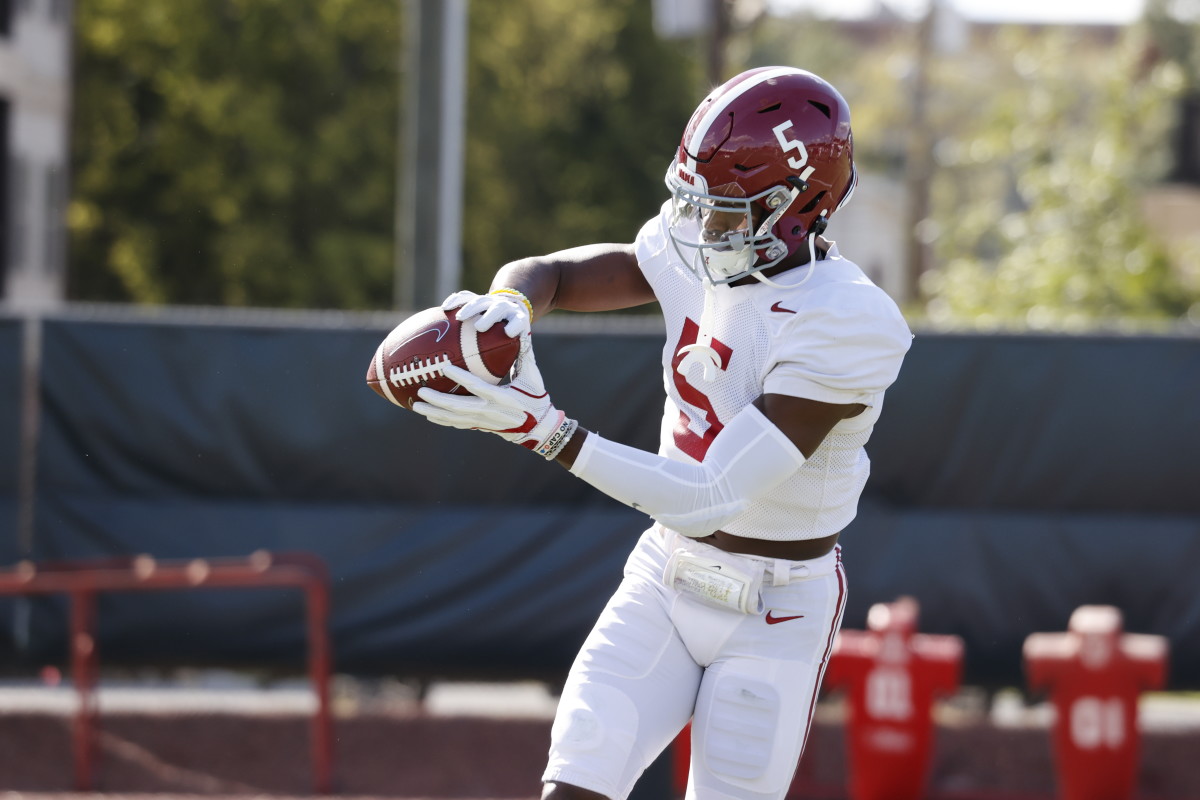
(896, 624)
(1098, 630)
(764, 162)
(899, 616)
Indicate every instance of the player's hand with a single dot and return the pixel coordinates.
(519, 411)
(485, 310)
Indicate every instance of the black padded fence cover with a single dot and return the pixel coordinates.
(184, 441)
(1014, 478)
(1057, 424)
(10, 424)
(284, 415)
(994, 578)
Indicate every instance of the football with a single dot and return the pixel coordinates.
(415, 353)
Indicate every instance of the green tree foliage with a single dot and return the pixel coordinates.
(1037, 214)
(1044, 141)
(235, 152)
(827, 47)
(1174, 28)
(243, 152)
(574, 113)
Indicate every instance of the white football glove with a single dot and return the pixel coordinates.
(519, 411)
(485, 310)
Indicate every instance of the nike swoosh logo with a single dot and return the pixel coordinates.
(781, 309)
(438, 328)
(771, 620)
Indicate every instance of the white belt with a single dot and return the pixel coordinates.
(716, 578)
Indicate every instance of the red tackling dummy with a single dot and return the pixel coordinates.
(414, 354)
(1094, 674)
(892, 675)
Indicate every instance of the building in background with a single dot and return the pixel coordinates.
(871, 231)
(35, 94)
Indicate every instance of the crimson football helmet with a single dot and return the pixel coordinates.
(764, 162)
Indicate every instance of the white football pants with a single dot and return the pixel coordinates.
(658, 657)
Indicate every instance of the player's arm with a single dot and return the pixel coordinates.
(756, 451)
(595, 277)
(805, 422)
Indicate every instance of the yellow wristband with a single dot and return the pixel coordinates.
(519, 296)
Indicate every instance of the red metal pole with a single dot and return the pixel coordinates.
(83, 670)
(83, 580)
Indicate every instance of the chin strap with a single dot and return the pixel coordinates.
(812, 263)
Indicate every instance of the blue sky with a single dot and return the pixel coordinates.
(1080, 11)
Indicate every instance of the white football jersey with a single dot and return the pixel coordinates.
(836, 338)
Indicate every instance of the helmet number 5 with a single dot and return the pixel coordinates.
(793, 144)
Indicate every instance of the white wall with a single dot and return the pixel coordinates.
(35, 78)
(870, 231)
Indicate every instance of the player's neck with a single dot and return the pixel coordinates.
(797, 259)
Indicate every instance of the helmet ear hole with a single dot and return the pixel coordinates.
(812, 204)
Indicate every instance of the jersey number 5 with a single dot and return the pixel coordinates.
(687, 440)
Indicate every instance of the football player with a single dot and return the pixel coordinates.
(778, 353)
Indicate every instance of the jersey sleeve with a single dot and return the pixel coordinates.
(843, 347)
(652, 243)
